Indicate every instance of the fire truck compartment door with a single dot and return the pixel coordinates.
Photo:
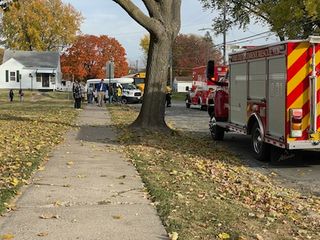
(238, 93)
(276, 103)
(257, 79)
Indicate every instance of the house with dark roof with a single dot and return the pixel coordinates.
(30, 70)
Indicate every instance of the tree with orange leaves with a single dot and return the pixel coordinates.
(88, 56)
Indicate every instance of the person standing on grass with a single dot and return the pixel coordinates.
(90, 95)
(119, 93)
(101, 88)
(95, 95)
(21, 94)
(110, 93)
(11, 94)
(76, 89)
(168, 96)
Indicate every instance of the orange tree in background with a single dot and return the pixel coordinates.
(88, 56)
(191, 51)
(188, 51)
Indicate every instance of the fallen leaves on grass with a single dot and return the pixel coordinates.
(174, 236)
(27, 132)
(186, 174)
(224, 236)
(7, 236)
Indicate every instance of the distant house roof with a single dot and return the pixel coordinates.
(33, 59)
(183, 78)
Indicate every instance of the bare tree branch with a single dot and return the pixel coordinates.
(153, 8)
(151, 24)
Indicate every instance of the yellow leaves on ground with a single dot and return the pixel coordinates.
(27, 132)
(224, 236)
(117, 217)
(174, 236)
(7, 236)
(15, 182)
(204, 191)
(42, 234)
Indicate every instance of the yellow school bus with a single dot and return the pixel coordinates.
(139, 80)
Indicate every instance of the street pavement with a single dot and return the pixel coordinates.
(86, 191)
(302, 172)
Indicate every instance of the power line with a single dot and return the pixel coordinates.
(247, 38)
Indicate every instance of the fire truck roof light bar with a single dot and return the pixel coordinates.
(314, 39)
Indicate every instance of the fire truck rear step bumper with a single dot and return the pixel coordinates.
(303, 145)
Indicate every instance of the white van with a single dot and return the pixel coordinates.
(130, 93)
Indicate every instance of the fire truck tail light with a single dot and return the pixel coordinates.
(296, 116)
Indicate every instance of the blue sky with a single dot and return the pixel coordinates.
(104, 17)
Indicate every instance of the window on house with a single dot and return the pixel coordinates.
(52, 78)
(38, 77)
(12, 76)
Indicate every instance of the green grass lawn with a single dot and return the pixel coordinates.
(28, 131)
(179, 96)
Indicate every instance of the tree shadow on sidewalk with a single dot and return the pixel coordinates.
(97, 134)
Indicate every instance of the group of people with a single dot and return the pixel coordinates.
(11, 95)
(99, 94)
(103, 92)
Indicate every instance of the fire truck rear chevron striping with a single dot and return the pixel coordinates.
(273, 94)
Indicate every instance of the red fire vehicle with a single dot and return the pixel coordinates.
(204, 78)
(273, 94)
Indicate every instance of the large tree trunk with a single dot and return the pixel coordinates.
(153, 108)
(163, 24)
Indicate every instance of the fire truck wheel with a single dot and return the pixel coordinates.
(217, 132)
(261, 149)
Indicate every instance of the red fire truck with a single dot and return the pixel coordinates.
(272, 94)
(202, 82)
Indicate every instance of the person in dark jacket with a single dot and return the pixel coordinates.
(11, 94)
(168, 96)
(77, 94)
(110, 93)
(101, 88)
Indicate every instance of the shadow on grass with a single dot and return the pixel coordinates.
(7, 117)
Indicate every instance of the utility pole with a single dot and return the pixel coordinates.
(171, 70)
(225, 33)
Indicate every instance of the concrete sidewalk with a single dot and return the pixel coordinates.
(86, 191)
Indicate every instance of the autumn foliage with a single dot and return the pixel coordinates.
(45, 25)
(189, 51)
(88, 56)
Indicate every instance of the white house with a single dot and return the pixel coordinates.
(30, 70)
(181, 83)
